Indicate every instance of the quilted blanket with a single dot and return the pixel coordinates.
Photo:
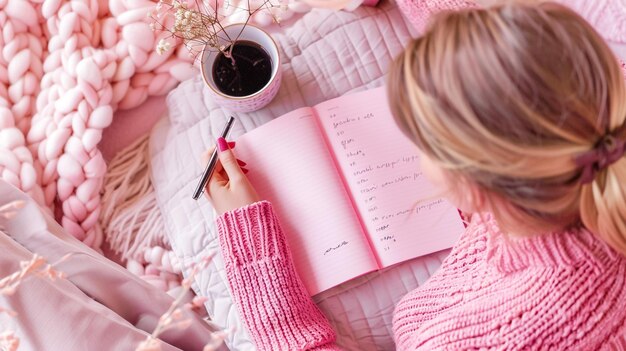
(324, 55)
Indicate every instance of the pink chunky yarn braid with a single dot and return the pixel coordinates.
(99, 57)
(22, 43)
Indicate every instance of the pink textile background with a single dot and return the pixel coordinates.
(129, 125)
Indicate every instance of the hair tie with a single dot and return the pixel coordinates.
(607, 151)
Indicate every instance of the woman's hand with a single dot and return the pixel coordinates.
(228, 188)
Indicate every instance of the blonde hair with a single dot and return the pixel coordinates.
(506, 97)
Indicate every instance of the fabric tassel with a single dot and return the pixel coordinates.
(130, 217)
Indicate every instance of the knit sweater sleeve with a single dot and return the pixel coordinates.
(270, 297)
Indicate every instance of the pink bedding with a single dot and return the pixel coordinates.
(97, 306)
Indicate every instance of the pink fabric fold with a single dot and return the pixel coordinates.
(100, 306)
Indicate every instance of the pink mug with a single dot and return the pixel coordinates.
(262, 97)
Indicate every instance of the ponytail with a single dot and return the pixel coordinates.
(603, 206)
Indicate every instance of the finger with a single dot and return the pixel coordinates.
(216, 183)
(229, 161)
(207, 154)
(219, 168)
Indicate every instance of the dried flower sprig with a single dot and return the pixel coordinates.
(37, 266)
(9, 210)
(174, 317)
(8, 341)
(200, 25)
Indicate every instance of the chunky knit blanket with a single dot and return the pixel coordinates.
(65, 67)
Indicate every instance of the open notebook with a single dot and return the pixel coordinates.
(346, 186)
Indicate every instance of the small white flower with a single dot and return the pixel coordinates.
(9, 210)
(186, 283)
(217, 338)
(9, 312)
(198, 301)
(177, 314)
(8, 341)
(162, 47)
(149, 345)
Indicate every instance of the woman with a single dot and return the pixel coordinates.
(519, 115)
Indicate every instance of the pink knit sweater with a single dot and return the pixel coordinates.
(560, 291)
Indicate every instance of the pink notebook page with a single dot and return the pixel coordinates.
(402, 214)
(291, 166)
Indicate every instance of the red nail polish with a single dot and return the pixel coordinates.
(241, 163)
(231, 144)
(222, 144)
